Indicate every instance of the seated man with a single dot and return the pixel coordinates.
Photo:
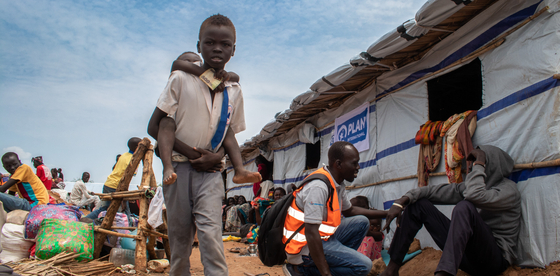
(478, 242)
(327, 244)
(80, 196)
(29, 187)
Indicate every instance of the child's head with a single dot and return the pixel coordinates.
(230, 201)
(375, 225)
(241, 200)
(10, 161)
(85, 177)
(360, 201)
(279, 193)
(133, 143)
(37, 161)
(191, 57)
(216, 41)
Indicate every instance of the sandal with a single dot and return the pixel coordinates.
(235, 250)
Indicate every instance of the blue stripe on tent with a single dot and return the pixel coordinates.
(325, 131)
(470, 47)
(523, 175)
(239, 188)
(290, 147)
(395, 149)
(290, 180)
(518, 96)
(244, 163)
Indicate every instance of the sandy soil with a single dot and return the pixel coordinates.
(426, 263)
(422, 265)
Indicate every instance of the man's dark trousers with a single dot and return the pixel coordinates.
(466, 240)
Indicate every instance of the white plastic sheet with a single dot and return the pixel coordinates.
(155, 217)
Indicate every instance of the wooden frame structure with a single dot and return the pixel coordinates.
(145, 233)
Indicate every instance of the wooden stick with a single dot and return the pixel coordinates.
(122, 186)
(145, 182)
(122, 228)
(154, 233)
(163, 228)
(534, 165)
(140, 254)
(151, 245)
(109, 232)
(134, 198)
(148, 159)
(122, 194)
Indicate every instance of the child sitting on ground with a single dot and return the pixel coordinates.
(28, 186)
(371, 245)
(190, 62)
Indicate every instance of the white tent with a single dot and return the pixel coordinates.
(517, 45)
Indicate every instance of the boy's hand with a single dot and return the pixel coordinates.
(220, 88)
(207, 162)
(221, 75)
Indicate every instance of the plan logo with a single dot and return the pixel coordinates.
(353, 127)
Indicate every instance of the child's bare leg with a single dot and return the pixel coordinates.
(232, 149)
(166, 139)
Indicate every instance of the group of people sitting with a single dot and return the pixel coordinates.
(236, 211)
(479, 238)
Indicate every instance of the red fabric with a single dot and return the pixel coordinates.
(45, 177)
(264, 174)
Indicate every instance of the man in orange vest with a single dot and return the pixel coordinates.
(327, 244)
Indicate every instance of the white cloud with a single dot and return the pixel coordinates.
(23, 155)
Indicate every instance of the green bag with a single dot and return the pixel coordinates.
(57, 236)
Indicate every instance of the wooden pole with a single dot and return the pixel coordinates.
(140, 254)
(117, 234)
(146, 172)
(154, 233)
(122, 186)
(151, 245)
(163, 229)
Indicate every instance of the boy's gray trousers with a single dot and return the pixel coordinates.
(195, 199)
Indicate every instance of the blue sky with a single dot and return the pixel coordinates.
(79, 78)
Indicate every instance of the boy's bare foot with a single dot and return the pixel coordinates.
(169, 176)
(245, 176)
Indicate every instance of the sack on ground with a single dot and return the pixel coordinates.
(17, 217)
(41, 212)
(56, 236)
(14, 244)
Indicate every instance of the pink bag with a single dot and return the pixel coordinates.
(41, 212)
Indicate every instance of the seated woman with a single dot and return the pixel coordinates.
(238, 215)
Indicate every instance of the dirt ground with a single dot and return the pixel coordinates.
(422, 265)
(425, 264)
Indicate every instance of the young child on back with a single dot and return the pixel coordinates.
(29, 187)
(190, 62)
(203, 119)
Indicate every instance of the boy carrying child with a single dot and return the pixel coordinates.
(203, 120)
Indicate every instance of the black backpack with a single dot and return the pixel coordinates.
(272, 251)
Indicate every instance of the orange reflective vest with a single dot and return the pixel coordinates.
(295, 218)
